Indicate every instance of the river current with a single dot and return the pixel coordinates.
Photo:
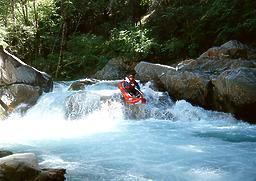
(104, 139)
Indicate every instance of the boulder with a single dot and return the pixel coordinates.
(24, 166)
(234, 92)
(51, 175)
(80, 104)
(17, 167)
(13, 71)
(20, 83)
(222, 79)
(15, 94)
(146, 71)
(4, 153)
(238, 85)
(191, 86)
(116, 68)
(81, 84)
(232, 49)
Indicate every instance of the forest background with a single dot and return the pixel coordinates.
(72, 39)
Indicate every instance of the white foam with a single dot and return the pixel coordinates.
(206, 173)
(51, 161)
(46, 121)
(190, 148)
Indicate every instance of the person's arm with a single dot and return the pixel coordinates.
(137, 85)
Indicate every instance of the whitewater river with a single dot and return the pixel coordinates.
(103, 139)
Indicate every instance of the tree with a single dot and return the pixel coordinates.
(64, 10)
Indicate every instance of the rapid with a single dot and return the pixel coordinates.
(95, 136)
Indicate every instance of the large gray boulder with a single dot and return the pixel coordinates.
(116, 68)
(232, 49)
(24, 166)
(20, 83)
(223, 79)
(13, 71)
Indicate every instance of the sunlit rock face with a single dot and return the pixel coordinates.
(232, 49)
(20, 83)
(223, 79)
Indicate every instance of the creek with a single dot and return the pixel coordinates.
(107, 143)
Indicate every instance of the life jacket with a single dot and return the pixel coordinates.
(130, 84)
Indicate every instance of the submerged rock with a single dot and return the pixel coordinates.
(80, 85)
(87, 101)
(81, 104)
(51, 175)
(157, 107)
(222, 79)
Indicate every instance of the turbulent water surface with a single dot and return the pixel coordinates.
(95, 136)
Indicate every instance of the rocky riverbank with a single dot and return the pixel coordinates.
(223, 79)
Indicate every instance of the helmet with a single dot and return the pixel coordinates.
(131, 77)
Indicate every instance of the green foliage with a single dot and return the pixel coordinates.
(84, 55)
(173, 48)
(133, 42)
(202, 24)
(146, 2)
(88, 44)
(3, 34)
(99, 30)
(4, 10)
(48, 63)
(20, 39)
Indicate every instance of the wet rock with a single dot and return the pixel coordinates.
(222, 79)
(234, 91)
(157, 107)
(187, 85)
(51, 175)
(238, 85)
(80, 104)
(19, 167)
(17, 94)
(81, 84)
(24, 166)
(4, 153)
(20, 83)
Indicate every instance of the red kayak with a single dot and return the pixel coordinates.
(131, 99)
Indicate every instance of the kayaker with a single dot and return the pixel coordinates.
(131, 86)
